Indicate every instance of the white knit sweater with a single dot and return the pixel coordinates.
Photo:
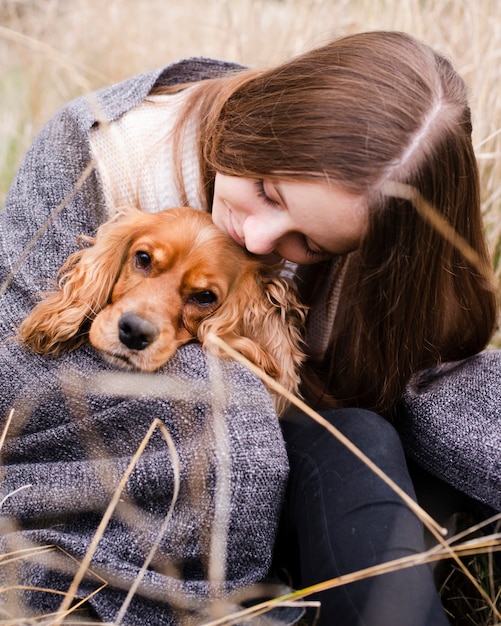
(134, 156)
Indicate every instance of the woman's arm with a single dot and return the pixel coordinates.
(450, 423)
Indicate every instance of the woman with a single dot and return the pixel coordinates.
(337, 161)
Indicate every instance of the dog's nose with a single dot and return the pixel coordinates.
(135, 332)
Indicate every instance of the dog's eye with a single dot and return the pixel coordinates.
(203, 298)
(142, 259)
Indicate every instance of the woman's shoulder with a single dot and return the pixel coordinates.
(195, 69)
(109, 103)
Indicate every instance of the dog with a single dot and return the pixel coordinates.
(150, 282)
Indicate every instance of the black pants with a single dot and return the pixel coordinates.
(339, 517)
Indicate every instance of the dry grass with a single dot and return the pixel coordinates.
(54, 50)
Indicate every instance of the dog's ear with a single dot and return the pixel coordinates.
(84, 285)
(281, 331)
(263, 320)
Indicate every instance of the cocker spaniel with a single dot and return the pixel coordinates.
(149, 283)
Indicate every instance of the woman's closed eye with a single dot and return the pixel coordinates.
(261, 192)
(313, 253)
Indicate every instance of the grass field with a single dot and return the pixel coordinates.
(54, 50)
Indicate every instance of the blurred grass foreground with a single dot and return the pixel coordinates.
(54, 50)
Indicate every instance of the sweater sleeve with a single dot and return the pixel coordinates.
(72, 437)
(451, 425)
(77, 427)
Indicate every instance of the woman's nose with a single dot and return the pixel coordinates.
(261, 236)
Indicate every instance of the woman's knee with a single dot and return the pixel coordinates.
(367, 431)
(364, 428)
(314, 449)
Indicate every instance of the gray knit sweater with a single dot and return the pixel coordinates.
(75, 432)
(72, 436)
(451, 425)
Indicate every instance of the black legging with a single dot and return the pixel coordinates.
(339, 517)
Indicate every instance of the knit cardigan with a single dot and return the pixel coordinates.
(76, 428)
(200, 504)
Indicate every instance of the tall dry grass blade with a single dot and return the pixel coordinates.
(70, 594)
(430, 556)
(219, 535)
(75, 606)
(12, 493)
(50, 616)
(484, 141)
(126, 384)
(163, 527)
(476, 527)
(437, 531)
(300, 404)
(43, 228)
(6, 428)
(53, 55)
(16, 555)
(33, 552)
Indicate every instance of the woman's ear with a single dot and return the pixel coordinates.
(85, 282)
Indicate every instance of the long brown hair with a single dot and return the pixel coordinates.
(384, 116)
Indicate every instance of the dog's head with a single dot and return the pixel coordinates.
(176, 269)
(149, 283)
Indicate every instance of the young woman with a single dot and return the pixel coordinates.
(354, 164)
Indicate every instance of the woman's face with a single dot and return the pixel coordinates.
(301, 221)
